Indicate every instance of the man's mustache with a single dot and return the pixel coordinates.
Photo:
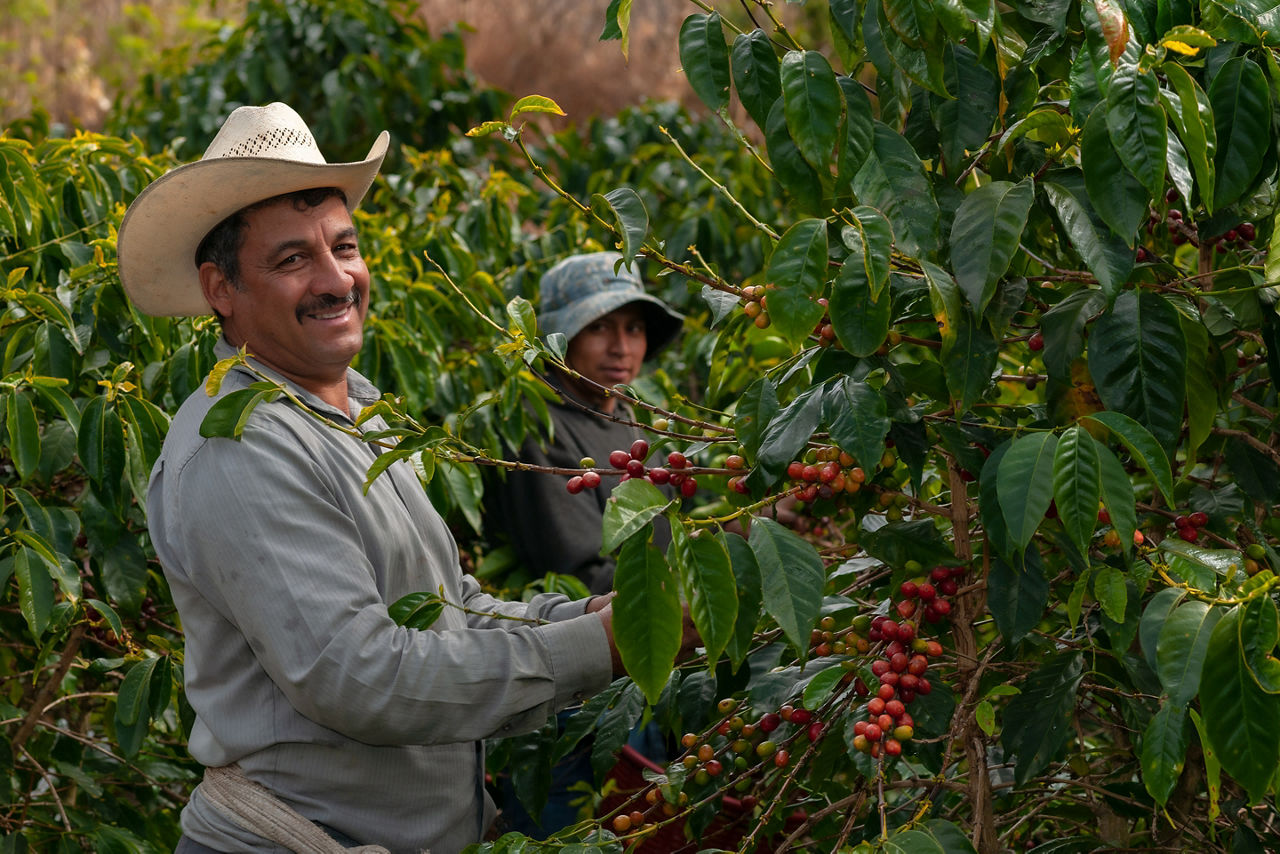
(327, 302)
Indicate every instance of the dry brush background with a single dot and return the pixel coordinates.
(71, 57)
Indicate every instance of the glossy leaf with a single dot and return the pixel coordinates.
(798, 270)
(1241, 720)
(1112, 593)
(860, 320)
(704, 56)
(756, 74)
(755, 410)
(1242, 120)
(985, 235)
(100, 444)
(1025, 484)
(893, 182)
(629, 218)
(1193, 117)
(1117, 195)
(870, 234)
(647, 615)
(1204, 399)
(788, 430)
(859, 128)
(1202, 568)
(746, 573)
(1045, 125)
(1164, 750)
(969, 359)
(1181, 648)
(1038, 721)
(811, 100)
(230, 413)
(790, 168)
(1107, 256)
(1144, 448)
(1141, 371)
(1077, 484)
(1136, 123)
(707, 579)
(416, 610)
(1259, 631)
(965, 119)
(631, 508)
(35, 590)
(1157, 611)
(858, 418)
(24, 433)
(1017, 595)
(792, 575)
(1064, 328)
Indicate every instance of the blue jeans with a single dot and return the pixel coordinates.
(559, 812)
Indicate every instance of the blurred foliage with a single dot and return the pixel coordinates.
(986, 290)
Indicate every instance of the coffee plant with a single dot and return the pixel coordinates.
(974, 396)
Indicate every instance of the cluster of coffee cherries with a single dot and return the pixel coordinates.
(1180, 231)
(755, 307)
(739, 743)
(1189, 525)
(632, 465)
(831, 472)
(1111, 538)
(903, 662)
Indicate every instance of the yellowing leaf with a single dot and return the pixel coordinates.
(1181, 47)
(488, 128)
(534, 104)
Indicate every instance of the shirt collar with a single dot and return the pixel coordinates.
(360, 392)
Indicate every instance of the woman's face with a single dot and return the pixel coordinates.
(609, 351)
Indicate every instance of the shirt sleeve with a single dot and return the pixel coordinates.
(267, 542)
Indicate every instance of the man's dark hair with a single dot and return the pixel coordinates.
(222, 244)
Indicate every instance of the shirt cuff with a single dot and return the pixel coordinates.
(580, 660)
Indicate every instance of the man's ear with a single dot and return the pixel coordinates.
(217, 288)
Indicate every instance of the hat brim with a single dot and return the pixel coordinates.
(662, 323)
(163, 227)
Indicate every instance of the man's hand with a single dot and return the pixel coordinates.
(605, 612)
(603, 606)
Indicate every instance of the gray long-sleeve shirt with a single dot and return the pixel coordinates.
(282, 569)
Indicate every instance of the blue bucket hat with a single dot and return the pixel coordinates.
(583, 288)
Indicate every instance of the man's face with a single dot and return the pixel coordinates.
(303, 292)
(609, 351)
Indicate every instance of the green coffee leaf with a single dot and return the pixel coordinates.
(1241, 720)
(705, 59)
(416, 610)
(986, 230)
(707, 579)
(792, 575)
(647, 615)
(631, 508)
(1025, 484)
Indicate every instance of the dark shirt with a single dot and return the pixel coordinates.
(551, 530)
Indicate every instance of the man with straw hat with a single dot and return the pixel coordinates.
(321, 722)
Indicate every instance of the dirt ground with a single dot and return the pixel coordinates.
(72, 56)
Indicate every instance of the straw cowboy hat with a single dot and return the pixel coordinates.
(260, 152)
(583, 288)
